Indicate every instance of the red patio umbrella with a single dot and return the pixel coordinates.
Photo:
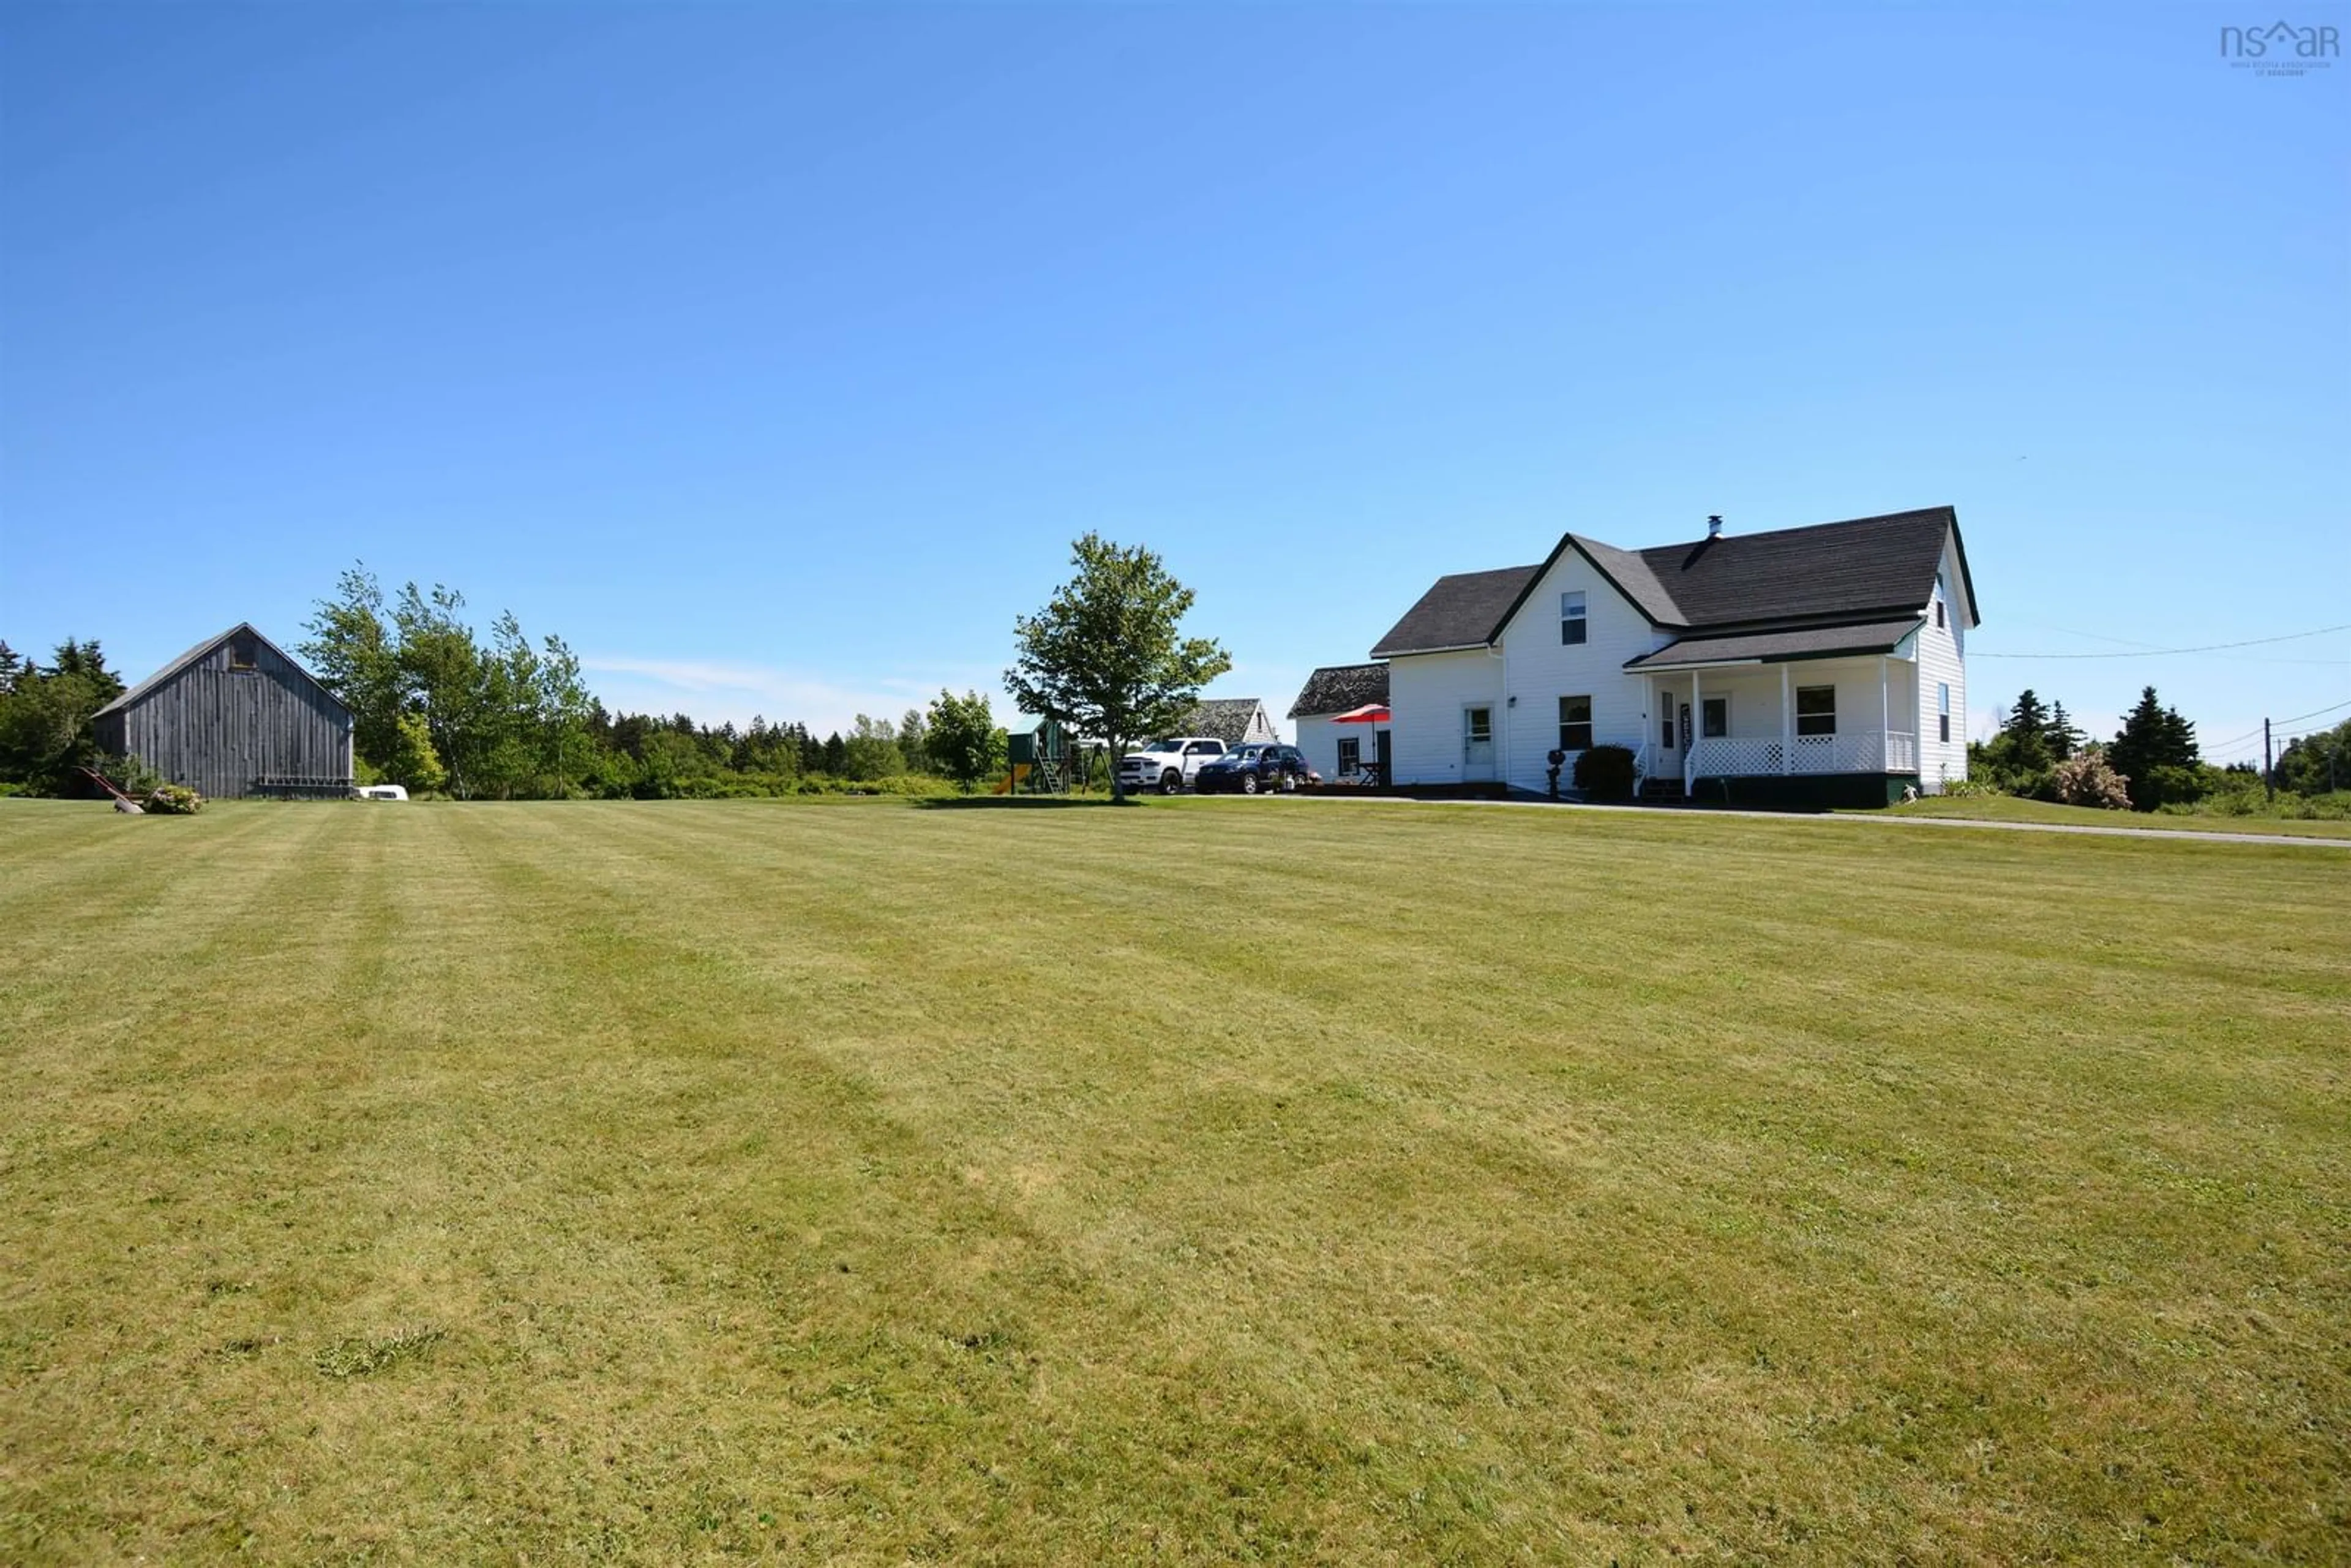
(1370, 713)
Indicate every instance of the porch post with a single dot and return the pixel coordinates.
(1885, 720)
(1690, 743)
(1787, 725)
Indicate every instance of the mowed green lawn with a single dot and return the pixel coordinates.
(1211, 1181)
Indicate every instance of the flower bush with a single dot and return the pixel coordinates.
(2085, 779)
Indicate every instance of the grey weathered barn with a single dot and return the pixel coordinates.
(234, 715)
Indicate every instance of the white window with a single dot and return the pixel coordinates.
(1815, 710)
(1351, 754)
(1716, 720)
(1943, 708)
(1570, 617)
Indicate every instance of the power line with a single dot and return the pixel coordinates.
(2158, 653)
(2152, 648)
(2315, 712)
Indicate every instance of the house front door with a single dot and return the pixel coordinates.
(1667, 738)
(1477, 743)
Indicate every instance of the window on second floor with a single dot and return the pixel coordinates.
(1943, 709)
(1575, 723)
(1815, 710)
(243, 655)
(1570, 617)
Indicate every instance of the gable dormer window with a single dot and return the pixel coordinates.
(242, 653)
(1570, 617)
(1939, 612)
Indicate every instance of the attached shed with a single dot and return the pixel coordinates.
(234, 715)
(1335, 750)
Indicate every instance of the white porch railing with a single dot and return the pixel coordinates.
(1860, 751)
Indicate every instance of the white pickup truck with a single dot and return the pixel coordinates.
(1167, 765)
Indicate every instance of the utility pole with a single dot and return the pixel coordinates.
(2269, 767)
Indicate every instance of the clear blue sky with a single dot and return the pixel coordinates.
(774, 355)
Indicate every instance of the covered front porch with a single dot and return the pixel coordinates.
(1764, 724)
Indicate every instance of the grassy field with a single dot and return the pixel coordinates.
(1210, 1181)
(2010, 809)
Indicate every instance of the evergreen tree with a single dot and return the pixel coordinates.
(2029, 716)
(2064, 736)
(46, 735)
(834, 757)
(2022, 744)
(11, 666)
(2154, 737)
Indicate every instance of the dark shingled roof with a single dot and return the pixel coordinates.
(1341, 688)
(1226, 718)
(1829, 569)
(1861, 567)
(1803, 642)
(1464, 610)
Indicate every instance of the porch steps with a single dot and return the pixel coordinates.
(1667, 789)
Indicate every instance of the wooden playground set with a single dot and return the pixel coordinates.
(1042, 761)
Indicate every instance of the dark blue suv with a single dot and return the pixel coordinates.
(1256, 770)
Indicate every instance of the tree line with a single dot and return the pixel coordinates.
(435, 710)
(46, 736)
(2153, 761)
(438, 709)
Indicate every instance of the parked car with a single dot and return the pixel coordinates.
(1168, 765)
(1256, 769)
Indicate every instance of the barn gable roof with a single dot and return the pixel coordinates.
(163, 677)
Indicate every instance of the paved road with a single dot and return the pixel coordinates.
(2193, 835)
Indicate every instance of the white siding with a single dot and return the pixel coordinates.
(1542, 669)
(1942, 658)
(1319, 738)
(1427, 692)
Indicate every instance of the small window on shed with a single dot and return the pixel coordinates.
(243, 652)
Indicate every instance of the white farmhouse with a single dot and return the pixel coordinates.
(1814, 665)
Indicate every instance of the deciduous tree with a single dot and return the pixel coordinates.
(1105, 655)
(964, 743)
